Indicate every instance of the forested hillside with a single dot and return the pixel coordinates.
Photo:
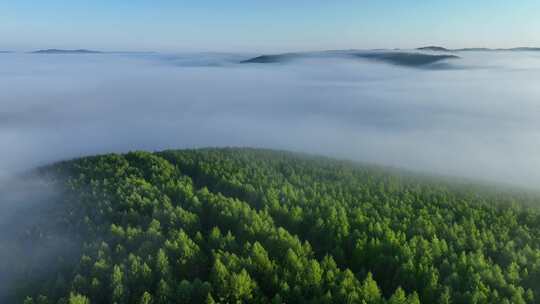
(259, 226)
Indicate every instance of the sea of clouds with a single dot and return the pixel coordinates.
(478, 118)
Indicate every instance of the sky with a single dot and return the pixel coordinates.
(266, 26)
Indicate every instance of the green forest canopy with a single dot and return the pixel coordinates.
(260, 226)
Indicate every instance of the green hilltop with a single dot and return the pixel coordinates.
(259, 226)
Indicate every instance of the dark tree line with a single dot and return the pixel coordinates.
(259, 226)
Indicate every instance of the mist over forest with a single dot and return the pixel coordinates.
(476, 118)
(244, 224)
(33, 240)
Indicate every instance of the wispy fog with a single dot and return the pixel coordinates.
(33, 238)
(479, 119)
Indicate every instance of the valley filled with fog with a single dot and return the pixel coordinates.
(476, 116)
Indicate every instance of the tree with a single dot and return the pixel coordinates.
(446, 297)
(241, 286)
(146, 298)
(399, 297)
(117, 284)
(78, 299)
(370, 291)
(164, 292)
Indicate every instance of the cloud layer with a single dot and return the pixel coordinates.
(477, 120)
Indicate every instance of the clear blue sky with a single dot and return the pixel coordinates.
(265, 26)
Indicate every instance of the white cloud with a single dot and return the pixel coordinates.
(480, 121)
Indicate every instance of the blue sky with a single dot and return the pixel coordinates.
(266, 26)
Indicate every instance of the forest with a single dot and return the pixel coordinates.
(241, 225)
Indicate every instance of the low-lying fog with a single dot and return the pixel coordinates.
(478, 118)
(33, 238)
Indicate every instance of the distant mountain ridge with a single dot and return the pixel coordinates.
(289, 56)
(443, 49)
(61, 51)
(407, 59)
(534, 49)
(395, 57)
(434, 48)
(272, 58)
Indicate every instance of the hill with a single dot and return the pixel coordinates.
(525, 49)
(58, 51)
(477, 49)
(272, 58)
(401, 58)
(408, 59)
(261, 226)
(434, 48)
